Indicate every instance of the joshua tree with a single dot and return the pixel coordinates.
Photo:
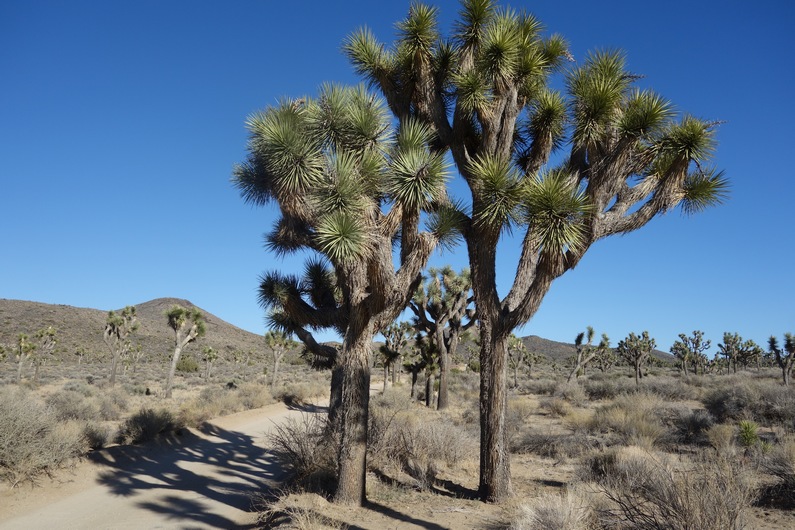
(209, 355)
(24, 349)
(585, 352)
(396, 336)
(45, 345)
(750, 352)
(118, 328)
(188, 325)
(278, 342)
(350, 188)
(636, 351)
(730, 348)
(518, 356)
(484, 91)
(605, 355)
(440, 306)
(785, 358)
(691, 350)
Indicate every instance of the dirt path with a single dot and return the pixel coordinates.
(201, 479)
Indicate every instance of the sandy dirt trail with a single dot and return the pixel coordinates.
(201, 479)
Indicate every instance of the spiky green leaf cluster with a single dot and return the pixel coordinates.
(500, 191)
(704, 189)
(555, 208)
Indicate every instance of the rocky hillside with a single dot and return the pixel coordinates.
(82, 328)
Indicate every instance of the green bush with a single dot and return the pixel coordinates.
(187, 364)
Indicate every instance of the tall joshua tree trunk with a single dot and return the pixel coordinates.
(354, 408)
(495, 476)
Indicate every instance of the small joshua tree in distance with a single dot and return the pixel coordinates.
(188, 325)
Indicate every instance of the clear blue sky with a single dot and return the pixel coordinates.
(120, 123)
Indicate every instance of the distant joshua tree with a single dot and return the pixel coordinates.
(396, 337)
(24, 349)
(278, 342)
(785, 358)
(45, 344)
(636, 351)
(188, 325)
(118, 328)
(690, 350)
(209, 355)
(586, 352)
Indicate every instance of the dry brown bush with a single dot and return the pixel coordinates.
(408, 438)
(305, 452)
(559, 512)
(32, 440)
(654, 492)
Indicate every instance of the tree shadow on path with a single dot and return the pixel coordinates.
(191, 473)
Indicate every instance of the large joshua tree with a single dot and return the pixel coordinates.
(353, 188)
(484, 90)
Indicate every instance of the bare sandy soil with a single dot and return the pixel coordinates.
(199, 479)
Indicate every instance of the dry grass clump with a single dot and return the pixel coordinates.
(540, 387)
(766, 402)
(71, 405)
(560, 512)
(571, 392)
(215, 401)
(692, 426)
(557, 407)
(410, 439)
(671, 388)
(299, 512)
(637, 419)
(300, 393)
(32, 440)
(557, 446)
(603, 388)
(305, 452)
(147, 424)
(654, 492)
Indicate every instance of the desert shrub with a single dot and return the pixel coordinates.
(299, 512)
(571, 392)
(780, 462)
(254, 396)
(650, 491)
(414, 440)
(561, 512)
(670, 388)
(551, 445)
(638, 419)
(78, 386)
(300, 393)
(97, 435)
(605, 388)
(32, 440)
(692, 425)
(540, 387)
(556, 406)
(763, 402)
(305, 453)
(113, 404)
(145, 425)
(187, 364)
(71, 405)
(721, 437)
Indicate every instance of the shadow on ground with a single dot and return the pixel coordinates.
(228, 468)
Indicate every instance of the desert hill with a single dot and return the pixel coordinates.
(79, 327)
(82, 328)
